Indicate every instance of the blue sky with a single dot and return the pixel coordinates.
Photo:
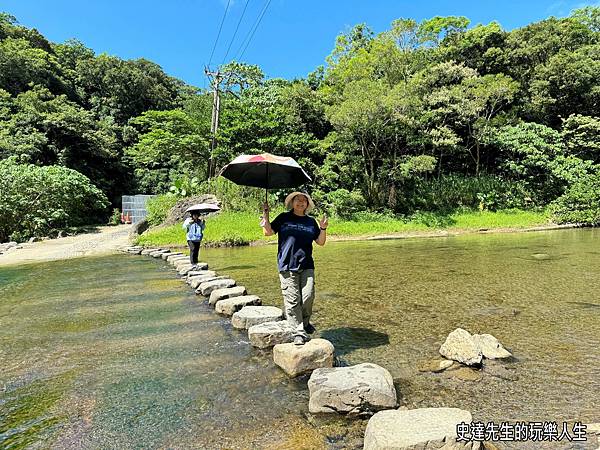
(293, 38)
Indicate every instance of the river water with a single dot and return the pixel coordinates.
(117, 352)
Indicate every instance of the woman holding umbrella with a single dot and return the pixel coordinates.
(296, 232)
(194, 227)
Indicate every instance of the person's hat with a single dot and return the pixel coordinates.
(290, 198)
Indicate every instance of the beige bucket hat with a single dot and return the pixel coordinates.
(290, 198)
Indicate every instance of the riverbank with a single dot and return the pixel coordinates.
(105, 240)
(239, 228)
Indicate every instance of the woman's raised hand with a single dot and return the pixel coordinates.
(324, 222)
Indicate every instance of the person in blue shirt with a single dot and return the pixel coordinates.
(296, 232)
(194, 227)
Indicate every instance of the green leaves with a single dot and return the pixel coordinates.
(34, 200)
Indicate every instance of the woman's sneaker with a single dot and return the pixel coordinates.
(298, 340)
(310, 329)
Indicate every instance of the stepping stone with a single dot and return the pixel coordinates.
(179, 259)
(159, 253)
(268, 334)
(208, 286)
(186, 262)
(416, 428)
(147, 251)
(182, 262)
(183, 270)
(199, 273)
(197, 281)
(229, 306)
(166, 255)
(174, 256)
(356, 390)
(298, 359)
(134, 251)
(221, 294)
(253, 315)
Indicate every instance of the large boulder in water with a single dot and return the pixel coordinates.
(357, 390)
(138, 228)
(424, 428)
(177, 213)
(459, 346)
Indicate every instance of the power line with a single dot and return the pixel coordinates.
(252, 31)
(235, 32)
(219, 33)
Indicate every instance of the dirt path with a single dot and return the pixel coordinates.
(106, 240)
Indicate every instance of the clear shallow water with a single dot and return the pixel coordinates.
(116, 352)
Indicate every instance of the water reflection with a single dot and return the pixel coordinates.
(117, 352)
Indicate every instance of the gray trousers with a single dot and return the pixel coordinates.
(298, 289)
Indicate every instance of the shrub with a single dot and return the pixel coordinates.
(35, 200)
(486, 192)
(580, 203)
(158, 208)
(343, 203)
(115, 218)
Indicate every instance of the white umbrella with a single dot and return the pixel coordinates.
(203, 208)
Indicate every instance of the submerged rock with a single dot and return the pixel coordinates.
(269, 334)
(253, 315)
(356, 390)
(229, 306)
(498, 370)
(435, 365)
(464, 374)
(540, 256)
(460, 346)
(208, 286)
(221, 294)
(298, 359)
(424, 428)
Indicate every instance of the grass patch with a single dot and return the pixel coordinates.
(241, 228)
(227, 228)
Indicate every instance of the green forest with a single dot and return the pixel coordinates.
(434, 116)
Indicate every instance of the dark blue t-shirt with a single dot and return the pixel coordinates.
(295, 235)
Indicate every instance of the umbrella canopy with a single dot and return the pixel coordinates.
(203, 208)
(265, 171)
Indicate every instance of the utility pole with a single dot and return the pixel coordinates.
(215, 81)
